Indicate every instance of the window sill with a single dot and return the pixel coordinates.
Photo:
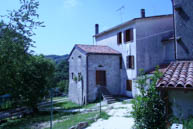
(130, 68)
(129, 42)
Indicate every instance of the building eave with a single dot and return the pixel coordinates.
(133, 21)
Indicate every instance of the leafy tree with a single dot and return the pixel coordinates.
(62, 76)
(149, 110)
(37, 79)
(24, 76)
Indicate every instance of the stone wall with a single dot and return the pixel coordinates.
(77, 64)
(181, 103)
(108, 63)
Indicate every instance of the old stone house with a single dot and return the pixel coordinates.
(118, 55)
(91, 66)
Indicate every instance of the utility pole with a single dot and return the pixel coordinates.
(51, 107)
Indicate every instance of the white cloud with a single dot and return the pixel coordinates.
(70, 3)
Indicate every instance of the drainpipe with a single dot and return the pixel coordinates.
(174, 27)
(86, 101)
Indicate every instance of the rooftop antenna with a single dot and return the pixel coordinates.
(120, 10)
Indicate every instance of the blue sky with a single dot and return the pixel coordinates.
(70, 22)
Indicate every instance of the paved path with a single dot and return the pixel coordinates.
(120, 117)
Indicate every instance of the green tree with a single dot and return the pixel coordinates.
(24, 76)
(149, 110)
(37, 79)
(62, 76)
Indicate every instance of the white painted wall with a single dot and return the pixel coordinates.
(151, 51)
(110, 39)
(147, 48)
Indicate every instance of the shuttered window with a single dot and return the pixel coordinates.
(72, 75)
(101, 78)
(119, 38)
(129, 85)
(130, 62)
(128, 35)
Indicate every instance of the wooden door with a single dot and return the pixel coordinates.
(101, 77)
(129, 85)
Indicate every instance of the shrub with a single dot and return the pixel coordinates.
(63, 86)
(149, 110)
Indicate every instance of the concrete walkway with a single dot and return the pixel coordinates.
(120, 117)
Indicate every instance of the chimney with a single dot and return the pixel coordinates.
(142, 13)
(96, 29)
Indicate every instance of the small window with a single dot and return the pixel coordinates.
(119, 38)
(128, 35)
(129, 85)
(130, 62)
(79, 75)
(72, 75)
(79, 56)
(120, 59)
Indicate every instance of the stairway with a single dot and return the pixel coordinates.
(106, 95)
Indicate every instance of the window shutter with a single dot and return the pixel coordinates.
(132, 62)
(131, 34)
(125, 35)
(97, 77)
(72, 75)
(119, 38)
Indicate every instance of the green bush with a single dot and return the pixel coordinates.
(149, 110)
(63, 86)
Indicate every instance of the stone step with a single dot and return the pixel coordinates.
(107, 96)
(110, 102)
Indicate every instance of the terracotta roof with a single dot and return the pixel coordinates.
(97, 49)
(178, 75)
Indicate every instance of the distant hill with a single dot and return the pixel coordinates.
(57, 58)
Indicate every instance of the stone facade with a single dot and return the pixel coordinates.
(108, 63)
(181, 103)
(83, 90)
(77, 65)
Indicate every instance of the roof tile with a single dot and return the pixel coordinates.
(178, 75)
(97, 49)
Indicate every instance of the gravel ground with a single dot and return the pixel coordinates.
(120, 117)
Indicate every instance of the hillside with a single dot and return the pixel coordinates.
(57, 58)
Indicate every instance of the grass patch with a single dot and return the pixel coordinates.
(75, 119)
(67, 105)
(26, 122)
(59, 97)
(104, 115)
(188, 124)
(126, 102)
